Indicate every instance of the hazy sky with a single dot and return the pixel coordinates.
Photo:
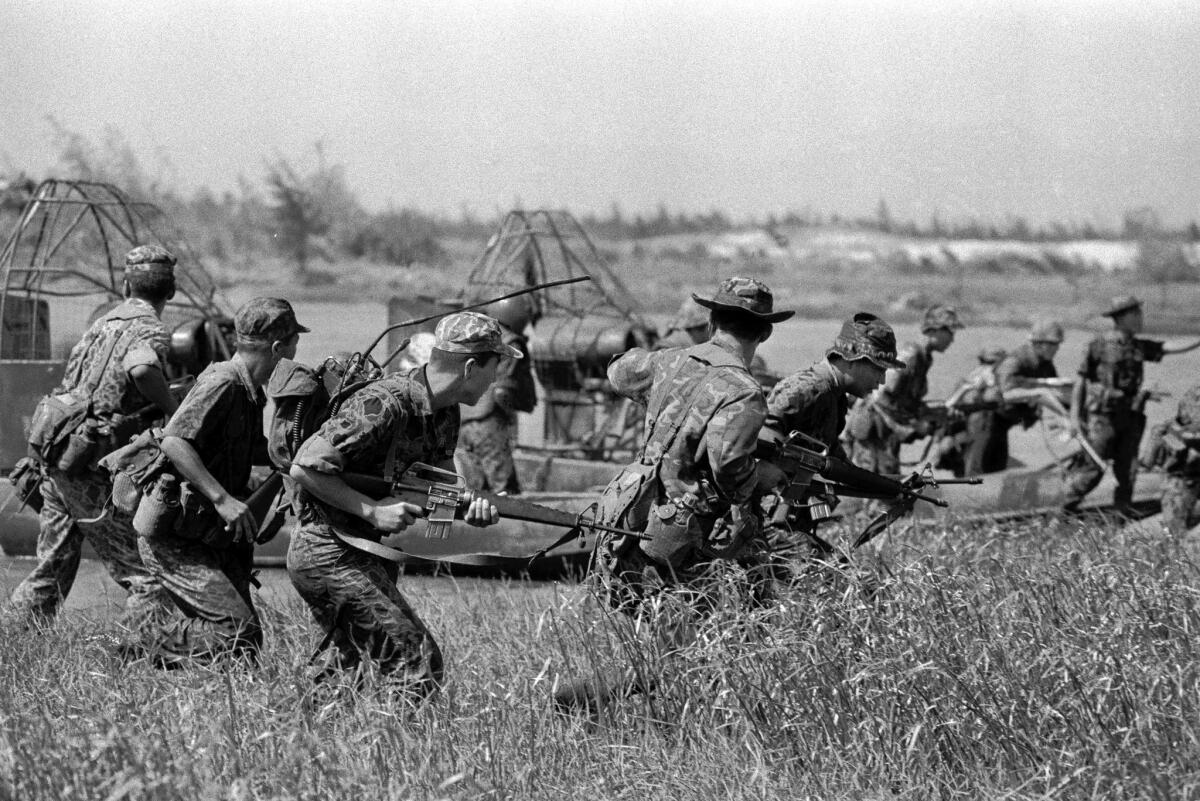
(1049, 110)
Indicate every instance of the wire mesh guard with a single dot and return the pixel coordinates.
(63, 264)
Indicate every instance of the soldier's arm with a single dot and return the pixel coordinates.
(143, 362)
(1173, 346)
(730, 440)
(152, 385)
(632, 374)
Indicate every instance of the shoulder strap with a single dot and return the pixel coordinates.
(677, 423)
(97, 373)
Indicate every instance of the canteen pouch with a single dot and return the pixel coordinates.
(133, 467)
(628, 497)
(81, 452)
(674, 535)
(26, 478)
(55, 419)
(158, 511)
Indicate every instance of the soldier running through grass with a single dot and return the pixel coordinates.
(696, 468)
(116, 369)
(382, 430)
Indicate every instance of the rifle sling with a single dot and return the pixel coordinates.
(390, 554)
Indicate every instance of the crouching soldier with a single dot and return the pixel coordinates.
(1174, 446)
(196, 533)
(696, 469)
(382, 430)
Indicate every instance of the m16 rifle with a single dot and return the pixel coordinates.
(443, 498)
(812, 473)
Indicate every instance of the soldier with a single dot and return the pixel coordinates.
(1174, 446)
(204, 558)
(381, 430)
(815, 400)
(958, 442)
(703, 414)
(489, 428)
(1107, 402)
(878, 425)
(119, 366)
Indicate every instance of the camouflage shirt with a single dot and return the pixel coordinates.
(722, 409)
(144, 342)
(1114, 362)
(905, 400)
(391, 413)
(222, 419)
(812, 402)
(513, 385)
(1022, 363)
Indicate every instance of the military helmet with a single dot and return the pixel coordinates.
(1121, 304)
(513, 313)
(991, 355)
(1046, 331)
(937, 317)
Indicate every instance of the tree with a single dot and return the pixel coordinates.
(1163, 261)
(308, 212)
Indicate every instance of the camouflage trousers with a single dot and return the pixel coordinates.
(354, 598)
(69, 502)
(1179, 497)
(1115, 436)
(214, 616)
(485, 454)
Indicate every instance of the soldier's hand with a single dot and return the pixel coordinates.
(239, 520)
(392, 515)
(481, 512)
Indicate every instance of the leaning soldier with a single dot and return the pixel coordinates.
(697, 467)
(1107, 403)
(203, 557)
(488, 429)
(1174, 446)
(119, 365)
(878, 425)
(382, 430)
(815, 400)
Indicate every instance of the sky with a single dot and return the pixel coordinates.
(1046, 110)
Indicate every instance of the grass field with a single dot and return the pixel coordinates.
(1043, 661)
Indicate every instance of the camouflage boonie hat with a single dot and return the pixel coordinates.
(472, 332)
(1122, 303)
(941, 317)
(267, 319)
(865, 336)
(145, 258)
(1188, 413)
(747, 295)
(690, 315)
(1046, 331)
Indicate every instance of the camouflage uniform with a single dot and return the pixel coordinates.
(488, 429)
(206, 574)
(1181, 461)
(880, 424)
(74, 505)
(1113, 367)
(381, 430)
(703, 415)
(988, 430)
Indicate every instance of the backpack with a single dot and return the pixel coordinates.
(303, 401)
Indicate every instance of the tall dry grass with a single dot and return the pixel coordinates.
(1043, 661)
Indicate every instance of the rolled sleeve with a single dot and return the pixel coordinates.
(632, 374)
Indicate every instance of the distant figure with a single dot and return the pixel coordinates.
(1108, 404)
(960, 443)
(878, 425)
(488, 431)
(117, 371)
(1174, 446)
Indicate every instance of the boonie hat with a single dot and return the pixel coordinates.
(472, 332)
(149, 257)
(747, 295)
(269, 319)
(1046, 331)
(941, 317)
(865, 336)
(1122, 303)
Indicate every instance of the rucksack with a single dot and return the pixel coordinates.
(304, 399)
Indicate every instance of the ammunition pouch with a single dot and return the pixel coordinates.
(26, 478)
(629, 497)
(133, 467)
(172, 507)
(57, 421)
(674, 535)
